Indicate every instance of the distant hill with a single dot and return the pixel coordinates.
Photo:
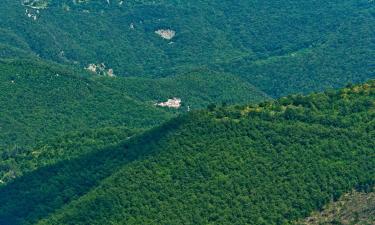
(270, 163)
(280, 47)
(197, 89)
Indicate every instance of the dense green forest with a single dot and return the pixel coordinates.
(43, 100)
(269, 163)
(19, 160)
(197, 88)
(265, 132)
(313, 44)
(222, 52)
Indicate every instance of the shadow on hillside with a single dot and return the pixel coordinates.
(39, 193)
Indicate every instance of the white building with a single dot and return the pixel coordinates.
(171, 103)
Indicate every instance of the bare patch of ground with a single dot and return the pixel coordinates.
(352, 208)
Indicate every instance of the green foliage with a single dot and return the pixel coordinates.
(41, 100)
(271, 163)
(347, 55)
(19, 160)
(196, 89)
(281, 47)
(65, 153)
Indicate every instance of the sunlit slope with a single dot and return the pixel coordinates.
(246, 165)
(262, 164)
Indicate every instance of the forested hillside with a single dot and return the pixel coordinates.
(198, 89)
(281, 47)
(40, 98)
(42, 101)
(270, 163)
(185, 112)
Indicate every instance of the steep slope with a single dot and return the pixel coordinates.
(282, 47)
(40, 100)
(262, 164)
